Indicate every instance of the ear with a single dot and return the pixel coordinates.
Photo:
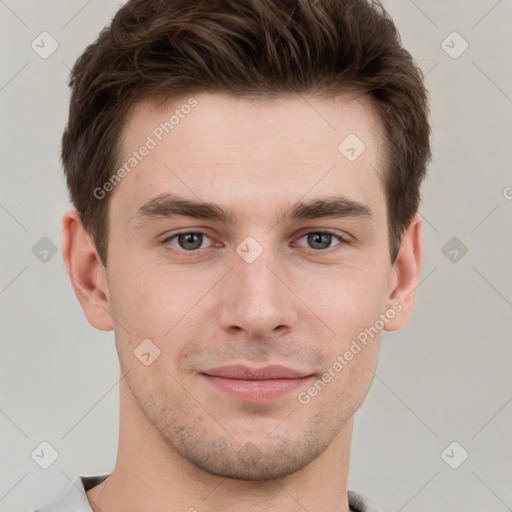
(86, 271)
(405, 274)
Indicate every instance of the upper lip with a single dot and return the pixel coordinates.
(248, 373)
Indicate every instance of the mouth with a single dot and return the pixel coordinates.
(256, 385)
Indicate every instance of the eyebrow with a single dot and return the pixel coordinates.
(168, 205)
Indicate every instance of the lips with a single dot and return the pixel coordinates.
(256, 385)
(246, 373)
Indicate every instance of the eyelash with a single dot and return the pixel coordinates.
(191, 253)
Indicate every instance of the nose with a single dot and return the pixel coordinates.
(257, 299)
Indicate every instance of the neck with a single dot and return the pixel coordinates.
(149, 475)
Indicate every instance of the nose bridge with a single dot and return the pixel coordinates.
(257, 301)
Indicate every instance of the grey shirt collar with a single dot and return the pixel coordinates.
(74, 497)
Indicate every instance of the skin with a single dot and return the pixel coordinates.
(183, 444)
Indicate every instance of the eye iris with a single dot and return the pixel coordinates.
(190, 238)
(321, 239)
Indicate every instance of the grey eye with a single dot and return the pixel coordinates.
(320, 240)
(190, 241)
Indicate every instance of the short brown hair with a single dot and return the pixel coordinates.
(164, 48)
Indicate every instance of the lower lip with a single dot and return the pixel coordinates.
(256, 391)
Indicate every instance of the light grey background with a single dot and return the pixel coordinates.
(447, 376)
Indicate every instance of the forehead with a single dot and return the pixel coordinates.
(219, 146)
(214, 119)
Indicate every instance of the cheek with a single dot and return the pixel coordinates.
(147, 300)
(348, 302)
(344, 383)
(154, 305)
(140, 313)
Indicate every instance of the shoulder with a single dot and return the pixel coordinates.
(74, 497)
(360, 503)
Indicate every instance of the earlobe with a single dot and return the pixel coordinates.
(86, 271)
(406, 270)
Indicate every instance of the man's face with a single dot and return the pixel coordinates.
(257, 288)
